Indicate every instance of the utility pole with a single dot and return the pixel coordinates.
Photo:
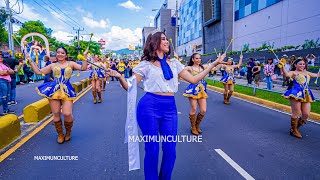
(10, 29)
(78, 37)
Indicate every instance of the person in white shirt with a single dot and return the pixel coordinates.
(311, 59)
(156, 111)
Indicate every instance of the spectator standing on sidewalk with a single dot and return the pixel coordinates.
(292, 59)
(48, 77)
(311, 59)
(283, 61)
(11, 63)
(249, 66)
(287, 67)
(21, 73)
(276, 67)
(268, 72)
(5, 80)
(256, 73)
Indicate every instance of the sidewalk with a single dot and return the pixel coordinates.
(263, 85)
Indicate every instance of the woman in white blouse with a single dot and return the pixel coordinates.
(156, 111)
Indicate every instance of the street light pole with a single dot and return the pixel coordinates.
(78, 37)
(10, 29)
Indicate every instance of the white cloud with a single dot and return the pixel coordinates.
(90, 22)
(80, 9)
(150, 17)
(30, 13)
(130, 5)
(119, 38)
(62, 36)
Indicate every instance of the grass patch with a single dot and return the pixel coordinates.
(262, 94)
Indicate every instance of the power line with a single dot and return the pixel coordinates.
(64, 13)
(54, 14)
(56, 11)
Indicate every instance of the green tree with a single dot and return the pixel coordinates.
(3, 31)
(33, 26)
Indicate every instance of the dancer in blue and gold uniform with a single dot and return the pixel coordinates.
(299, 94)
(97, 76)
(60, 90)
(196, 93)
(228, 78)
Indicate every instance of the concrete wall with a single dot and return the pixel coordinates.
(189, 47)
(218, 35)
(289, 22)
(165, 25)
(145, 33)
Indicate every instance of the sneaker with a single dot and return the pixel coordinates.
(31, 82)
(9, 103)
(8, 112)
(14, 103)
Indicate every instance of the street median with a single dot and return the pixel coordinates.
(77, 86)
(9, 129)
(37, 111)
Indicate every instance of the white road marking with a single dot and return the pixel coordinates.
(234, 165)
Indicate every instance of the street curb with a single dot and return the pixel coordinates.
(313, 116)
(9, 129)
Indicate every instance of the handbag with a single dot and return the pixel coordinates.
(274, 77)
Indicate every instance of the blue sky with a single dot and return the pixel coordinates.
(119, 22)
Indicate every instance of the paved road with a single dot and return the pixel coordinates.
(256, 138)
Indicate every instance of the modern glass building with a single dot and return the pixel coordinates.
(244, 8)
(190, 28)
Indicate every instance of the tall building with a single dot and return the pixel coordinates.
(164, 21)
(282, 22)
(255, 22)
(190, 28)
(217, 24)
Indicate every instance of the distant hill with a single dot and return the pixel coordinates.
(124, 51)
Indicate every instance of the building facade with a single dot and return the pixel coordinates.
(218, 24)
(279, 22)
(164, 21)
(190, 28)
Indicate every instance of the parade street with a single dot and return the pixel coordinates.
(240, 140)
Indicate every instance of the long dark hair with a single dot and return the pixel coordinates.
(293, 68)
(65, 50)
(190, 63)
(152, 45)
(268, 61)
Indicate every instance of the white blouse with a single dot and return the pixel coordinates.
(153, 79)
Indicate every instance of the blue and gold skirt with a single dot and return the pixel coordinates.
(97, 74)
(196, 91)
(57, 91)
(299, 94)
(227, 80)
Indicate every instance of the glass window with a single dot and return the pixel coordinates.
(236, 5)
(247, 10)
(247, 2)
(254, 6)
(262, 4)
(241, 13)
(236, 15)
(242, 4)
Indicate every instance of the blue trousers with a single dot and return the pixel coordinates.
(13, 86)
(269, 82)
(158, 114)
(4, 91)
